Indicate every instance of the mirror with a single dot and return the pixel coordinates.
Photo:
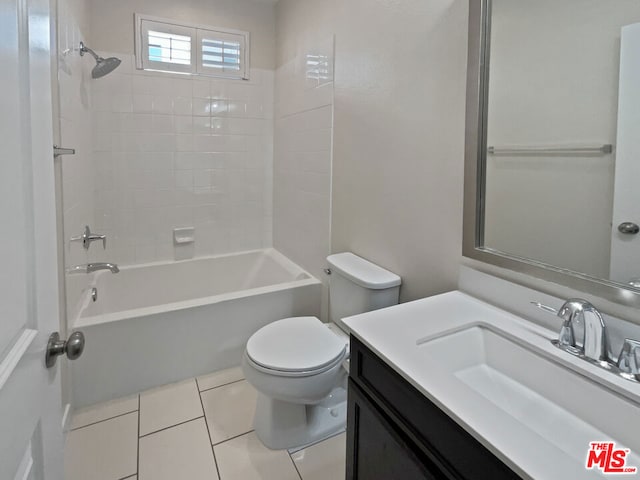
(552, 183)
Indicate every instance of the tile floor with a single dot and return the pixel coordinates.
(197, 429)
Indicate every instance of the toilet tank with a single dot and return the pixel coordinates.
(357, 286)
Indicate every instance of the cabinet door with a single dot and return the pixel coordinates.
(445, 444)
(379, 450)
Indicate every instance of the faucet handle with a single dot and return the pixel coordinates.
(566, 338)
(629, 359)
(87, 238)
(93, 237)
(544, 307)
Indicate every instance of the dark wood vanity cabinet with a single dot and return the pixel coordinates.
(395, 432)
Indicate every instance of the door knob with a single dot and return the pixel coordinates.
(628, 228)
(56, 347)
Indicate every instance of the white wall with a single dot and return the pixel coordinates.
(554, 81)
(399, 138)
(398, 130)
(303, 137)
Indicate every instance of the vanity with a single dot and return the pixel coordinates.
(452, 387)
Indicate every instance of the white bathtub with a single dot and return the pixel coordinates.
(159, 323)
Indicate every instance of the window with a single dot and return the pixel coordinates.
(168, 48)
(162, 45)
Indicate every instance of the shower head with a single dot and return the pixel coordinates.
(104, 66)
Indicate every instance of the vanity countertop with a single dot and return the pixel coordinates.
(533, 446)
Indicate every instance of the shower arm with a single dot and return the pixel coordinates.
(84, 49)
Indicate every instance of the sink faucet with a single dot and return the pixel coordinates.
(594, 347)
(594, 339)
(93, 267)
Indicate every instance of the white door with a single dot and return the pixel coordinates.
(625, 247)
(31, 441)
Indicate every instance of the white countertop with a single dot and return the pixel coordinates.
(392, 333)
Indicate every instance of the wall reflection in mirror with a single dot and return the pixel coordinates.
(563, 135)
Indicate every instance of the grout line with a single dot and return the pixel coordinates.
(138, 452)
(101, 421)
(289, 115)
(218, 386)
(171, 426)
(232, 438)
(206, 423)
(215, 461)
(295, 466)
(317, 442)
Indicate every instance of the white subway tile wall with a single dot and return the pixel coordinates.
(175, 151)
(303, 154)
(78, 185)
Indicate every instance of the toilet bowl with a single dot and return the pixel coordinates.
(299, 366)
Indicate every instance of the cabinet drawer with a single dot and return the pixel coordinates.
(441, 437)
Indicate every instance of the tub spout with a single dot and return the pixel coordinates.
(103, 266)
(93, 267)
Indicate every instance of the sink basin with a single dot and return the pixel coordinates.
(564, 407)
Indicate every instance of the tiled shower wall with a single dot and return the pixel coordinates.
(303, 152)
(173, 151)
(77, 186)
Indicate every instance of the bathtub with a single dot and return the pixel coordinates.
(163, 322)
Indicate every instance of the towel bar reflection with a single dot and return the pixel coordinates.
(553, 151)
(57, 151)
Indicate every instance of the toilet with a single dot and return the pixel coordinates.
(299, 365)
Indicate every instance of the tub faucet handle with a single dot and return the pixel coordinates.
(87, 238)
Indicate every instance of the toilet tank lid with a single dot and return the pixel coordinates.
(363, 272)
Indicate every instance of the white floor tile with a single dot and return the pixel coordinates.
(229, 410)
(245, 458)
(103, 411)
(323, 461)
(104, 451)
(168, 406)
(219, 378)
(181, 452)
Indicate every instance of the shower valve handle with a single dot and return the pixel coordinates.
(87, 238)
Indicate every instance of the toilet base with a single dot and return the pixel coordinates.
(281, 425)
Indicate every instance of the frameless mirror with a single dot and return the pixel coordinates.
(553, 139)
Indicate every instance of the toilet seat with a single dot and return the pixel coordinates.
(298, 346)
